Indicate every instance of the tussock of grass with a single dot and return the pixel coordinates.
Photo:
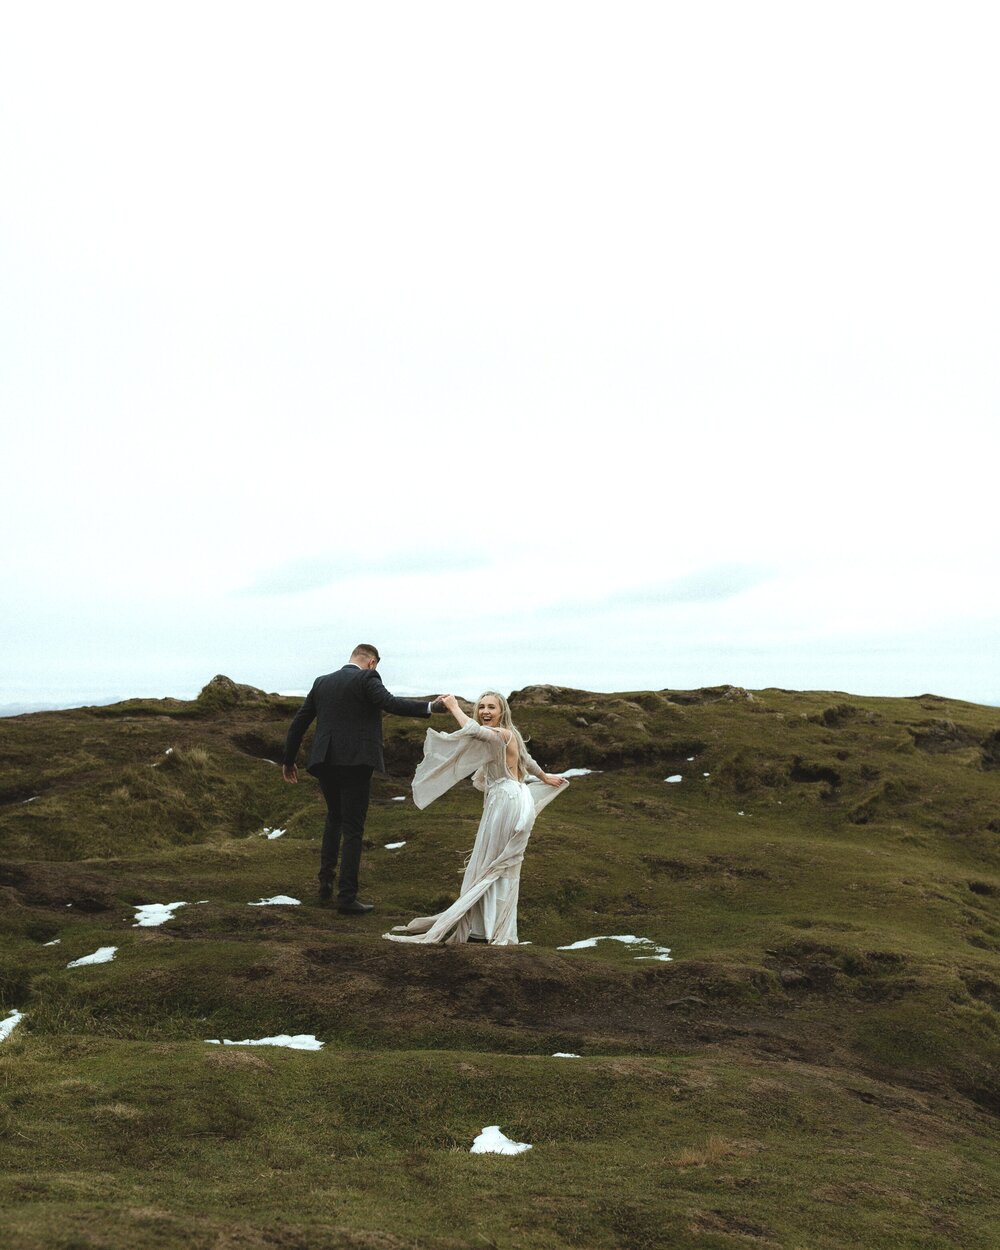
(187, 760)
(713, 1151)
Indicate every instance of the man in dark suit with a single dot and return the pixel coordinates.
(347, 706)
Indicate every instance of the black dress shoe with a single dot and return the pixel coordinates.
(478, 937)
(325, 891)
(355, 908)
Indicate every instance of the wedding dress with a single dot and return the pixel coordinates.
(487, 904)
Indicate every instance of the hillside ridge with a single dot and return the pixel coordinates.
(814, 1063)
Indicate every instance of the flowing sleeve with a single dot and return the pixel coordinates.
(542, 794)
(532, 767)
(448, 758)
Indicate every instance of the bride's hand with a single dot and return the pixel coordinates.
(551, 779)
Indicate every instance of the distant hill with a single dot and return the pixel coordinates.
(22, 709)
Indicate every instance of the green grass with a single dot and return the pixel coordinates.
(816, 1068)
(625, 1151)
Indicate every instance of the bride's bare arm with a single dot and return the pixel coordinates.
(451, 703)
(550, 779)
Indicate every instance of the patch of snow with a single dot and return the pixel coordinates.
(565, 1054)
(394, 846)
(10, 1024)
(34, 798)
(271, 834)
(398, 798)
(54, 942)
(690, 759)
(739, 813)
(674, 779)
(706, 774)
(300, 1041)
(661, 953)
(103, 955)
(492, 1142)
(169, 751)
(277, 901)
(578, 772)
(627, 938)
(147, 915)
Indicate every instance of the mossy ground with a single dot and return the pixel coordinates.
(816, 1068)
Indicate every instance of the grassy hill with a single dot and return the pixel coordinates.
(815, 1066)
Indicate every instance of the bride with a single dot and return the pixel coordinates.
(491, 747)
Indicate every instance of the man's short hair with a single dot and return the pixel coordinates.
(367, 650)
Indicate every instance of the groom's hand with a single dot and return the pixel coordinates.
(438, 704)
(290, 773)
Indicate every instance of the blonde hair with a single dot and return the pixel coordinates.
(506, 722)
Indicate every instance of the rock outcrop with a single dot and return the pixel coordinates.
(223, 692)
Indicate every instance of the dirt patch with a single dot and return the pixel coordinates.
(20, 792)
(991, 751)
(803, 770)
(837, 715)
(541, 993)
(939, 737)
(57, 885)
(260, 747)
(715, 865)
(983, 988)
(732, 1226)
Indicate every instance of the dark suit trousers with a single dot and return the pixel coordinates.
(346, 788)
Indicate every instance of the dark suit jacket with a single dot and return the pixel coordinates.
(347, 706)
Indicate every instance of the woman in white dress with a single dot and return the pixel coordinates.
(491, 747)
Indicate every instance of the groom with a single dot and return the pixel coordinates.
(347, 706)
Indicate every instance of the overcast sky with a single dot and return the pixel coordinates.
(620, 346)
